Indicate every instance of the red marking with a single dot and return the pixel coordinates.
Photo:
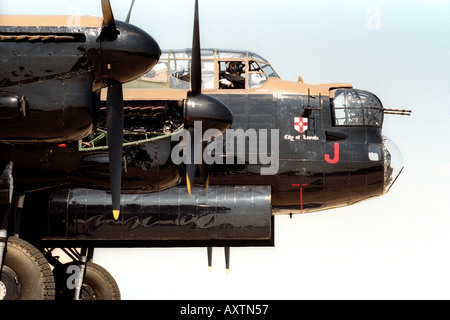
(301, 193)
(301, 200)
(62, 145)
(336, 155)
(187, 118)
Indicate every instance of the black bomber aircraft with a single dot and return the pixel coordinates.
(193, 173)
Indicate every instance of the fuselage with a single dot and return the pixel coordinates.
(316, 146)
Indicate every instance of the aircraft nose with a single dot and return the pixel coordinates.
(393, 163)
(131, 55)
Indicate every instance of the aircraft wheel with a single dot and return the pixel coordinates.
(98, 283)
(26, 274)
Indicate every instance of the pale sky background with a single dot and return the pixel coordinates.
(393, 247)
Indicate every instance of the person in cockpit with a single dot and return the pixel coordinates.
(231, 78)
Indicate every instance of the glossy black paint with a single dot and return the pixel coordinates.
(212, 113)
(12, 107)
(303, 168)
(305, 180)
(43, 166)
(232, 214)
(132, 54)
(56, 70)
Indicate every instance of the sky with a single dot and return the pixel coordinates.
(392, 247)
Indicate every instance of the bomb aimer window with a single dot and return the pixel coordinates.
(356, 108)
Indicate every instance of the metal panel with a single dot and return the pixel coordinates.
(223, 213)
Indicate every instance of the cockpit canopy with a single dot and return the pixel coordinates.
(352, 107)
(173, 69)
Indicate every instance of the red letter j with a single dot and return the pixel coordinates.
(336, 155)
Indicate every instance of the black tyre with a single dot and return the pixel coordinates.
(98, 283)
(26, 274)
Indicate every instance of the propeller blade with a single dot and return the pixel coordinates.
(227, 259)
(191, 166)
(127, 20)
(209, 251)
(109, 29)
(196, 67)
(204, 171)
(212, 113)
(114, 118)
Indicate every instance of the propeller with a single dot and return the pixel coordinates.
(196, 67)
(114, 119)
(109, 29)
(209, 252)
(203, 108)
(227, 258)
(119, 60)
(114, 115)
(127, 20)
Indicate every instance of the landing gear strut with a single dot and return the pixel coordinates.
(25, 272)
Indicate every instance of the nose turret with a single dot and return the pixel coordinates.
(393, 163)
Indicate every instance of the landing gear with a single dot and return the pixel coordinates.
(96, 282)
(25, 272)
(26, 275)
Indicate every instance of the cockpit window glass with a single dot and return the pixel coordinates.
(173, 70)
(256, 79)
(180, 74)
(256, 75)
(259, 72)
(225, 54)
(255, 56)
(268, 70)
(164, 56)
(231, 54)
(263, 67)
(254, 66)
(158, 74)
(356, 108)
(208, 74)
